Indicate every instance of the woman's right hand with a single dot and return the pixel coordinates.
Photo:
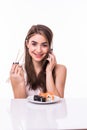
(17, 80)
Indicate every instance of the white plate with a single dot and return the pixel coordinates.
(56, 99)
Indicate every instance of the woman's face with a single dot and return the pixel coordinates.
(38, 47)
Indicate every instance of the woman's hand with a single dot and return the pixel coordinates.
(16, 74)
(17, 80)
(52, 62)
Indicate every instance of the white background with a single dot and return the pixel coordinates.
(67, 19)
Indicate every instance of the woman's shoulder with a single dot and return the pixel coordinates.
(60, 68)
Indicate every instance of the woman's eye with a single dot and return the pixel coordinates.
(34, 44)
(45, 45)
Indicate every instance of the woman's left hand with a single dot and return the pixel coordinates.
(52, 62)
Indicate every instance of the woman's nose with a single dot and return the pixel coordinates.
(39, 49)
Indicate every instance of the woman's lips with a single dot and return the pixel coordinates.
(38, 55)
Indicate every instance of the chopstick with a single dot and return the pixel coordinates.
(18, 57)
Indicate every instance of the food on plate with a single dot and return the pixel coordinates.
(39, 98)
(43, 97)
(48, 95)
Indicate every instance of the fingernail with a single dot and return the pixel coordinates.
(51, 49)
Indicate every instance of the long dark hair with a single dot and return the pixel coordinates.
(32, 79)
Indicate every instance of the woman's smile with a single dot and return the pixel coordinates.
(38, 55)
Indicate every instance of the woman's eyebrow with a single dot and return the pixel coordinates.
(44, 42)
(34, 41)
(41, 43)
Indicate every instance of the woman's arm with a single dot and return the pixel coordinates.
(17, 81)
(58, 87)
(61, 73)
(60, 77)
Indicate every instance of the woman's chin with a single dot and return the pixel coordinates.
(38, 60)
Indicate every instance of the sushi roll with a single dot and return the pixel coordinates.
(39, 98)
(36, 97)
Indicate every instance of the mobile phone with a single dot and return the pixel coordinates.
(45, 62)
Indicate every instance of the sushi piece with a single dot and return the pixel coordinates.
(36, 97)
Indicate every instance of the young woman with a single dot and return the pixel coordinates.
(41, 73)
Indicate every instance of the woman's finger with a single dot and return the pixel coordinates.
(20, 70)
(13, 68)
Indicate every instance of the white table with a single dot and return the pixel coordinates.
(18, 114)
